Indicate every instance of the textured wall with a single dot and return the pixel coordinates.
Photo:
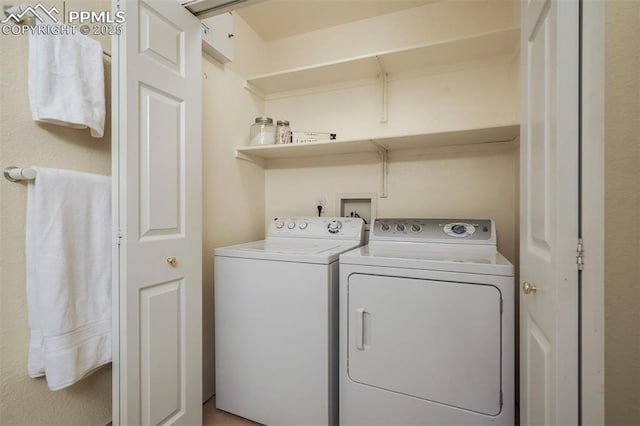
(622, 214)
(22, 143)
(233, 190)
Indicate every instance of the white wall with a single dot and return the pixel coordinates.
(474, 182)
(436, 21)
(24, 400)
(233, 197)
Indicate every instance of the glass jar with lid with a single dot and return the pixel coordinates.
(283, 132)
(262, 132)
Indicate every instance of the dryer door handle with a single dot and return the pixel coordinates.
(360, 328)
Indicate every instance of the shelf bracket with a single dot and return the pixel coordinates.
(384, 155)
(253, 89)
(244, 157)
(385, 83)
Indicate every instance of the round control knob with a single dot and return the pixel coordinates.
(458, 229)
(416, 228)
(384, 227)
(400, 227)
(303, 225)
(334, 226)
(279, 224)
(291, 225)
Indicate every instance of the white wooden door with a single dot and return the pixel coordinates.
(157, 101)
(549, 224)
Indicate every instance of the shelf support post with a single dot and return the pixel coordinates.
(385, 83)
(384, 155)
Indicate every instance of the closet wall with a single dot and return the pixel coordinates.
(233, 191)
(23, 142)
(481, 91)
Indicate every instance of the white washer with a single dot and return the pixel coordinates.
(276, 312)
(426, 326)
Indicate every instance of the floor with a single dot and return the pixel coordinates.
(211, 416)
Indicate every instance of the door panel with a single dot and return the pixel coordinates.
(439, 341)
(549, 220)
(161, 145)
(158, 370)
(163, 364)
(161, 40)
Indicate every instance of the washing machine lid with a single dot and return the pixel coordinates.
(304, 250)
(437, 257)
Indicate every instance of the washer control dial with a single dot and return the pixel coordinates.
(416, 228)
(303, 225)
(279, 224)
(384, 227)
(334, 226)
(291, 225)
(400, 227)
(459, 229)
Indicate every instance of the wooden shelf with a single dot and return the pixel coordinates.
(499, 43)
(457, 137)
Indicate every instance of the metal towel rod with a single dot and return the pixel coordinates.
(17, 174)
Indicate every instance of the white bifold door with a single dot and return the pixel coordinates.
(157, 207)
(549, 220)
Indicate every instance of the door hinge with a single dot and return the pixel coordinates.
(580, 254)
(118, 237)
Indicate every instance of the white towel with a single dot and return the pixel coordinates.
(68, 259)
(66, 81)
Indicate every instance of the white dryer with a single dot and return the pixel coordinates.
(426, 326)
(276, 321)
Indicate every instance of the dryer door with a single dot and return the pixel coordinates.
(435, 340)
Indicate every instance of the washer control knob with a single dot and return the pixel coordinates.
(416, 228)
(279, 224)
(334, 226)
(400, 227)
(303, 225)
(384, 227)
(458, 229)
(291, 225)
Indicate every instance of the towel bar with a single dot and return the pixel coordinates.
(16, 174)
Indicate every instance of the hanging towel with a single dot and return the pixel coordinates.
(66, 81)
(68, 259)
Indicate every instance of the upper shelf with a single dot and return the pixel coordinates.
(498, 43)
(457, 137)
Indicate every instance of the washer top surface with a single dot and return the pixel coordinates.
(448, 245)
(302, 239)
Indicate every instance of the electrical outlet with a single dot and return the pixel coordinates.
(321, 201)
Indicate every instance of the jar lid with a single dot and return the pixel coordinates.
(264, 120)
(283, 123)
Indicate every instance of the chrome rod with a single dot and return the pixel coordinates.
(17, 174)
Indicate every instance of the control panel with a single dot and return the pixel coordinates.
(343, 228)
(465, 231)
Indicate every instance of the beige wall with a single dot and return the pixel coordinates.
(233, 198)
(436, 21)
(22, 143)
(461, 181)
(622, 214)
(447, 182)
